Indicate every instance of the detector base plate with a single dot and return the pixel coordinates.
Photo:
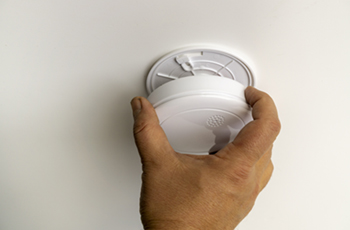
(194, 61)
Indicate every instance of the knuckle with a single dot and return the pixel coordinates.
(140, 126)
(240, 175)
(275, 126)
(265, 95)
(151, 165)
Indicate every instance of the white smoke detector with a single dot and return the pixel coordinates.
(198, 95)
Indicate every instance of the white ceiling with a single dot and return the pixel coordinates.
(68, 70)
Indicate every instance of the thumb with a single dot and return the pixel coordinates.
(150, 138)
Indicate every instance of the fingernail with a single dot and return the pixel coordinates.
(136, 106)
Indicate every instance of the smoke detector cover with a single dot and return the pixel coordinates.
(198, 95)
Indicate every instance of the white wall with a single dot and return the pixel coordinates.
(68, 70)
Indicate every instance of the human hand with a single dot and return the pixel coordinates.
(191, 192)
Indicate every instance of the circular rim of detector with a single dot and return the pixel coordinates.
(181, 62)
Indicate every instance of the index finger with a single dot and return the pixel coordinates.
(258, 135)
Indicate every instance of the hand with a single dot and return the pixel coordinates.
(191, 192)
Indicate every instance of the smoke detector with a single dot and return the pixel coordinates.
(198, 95)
